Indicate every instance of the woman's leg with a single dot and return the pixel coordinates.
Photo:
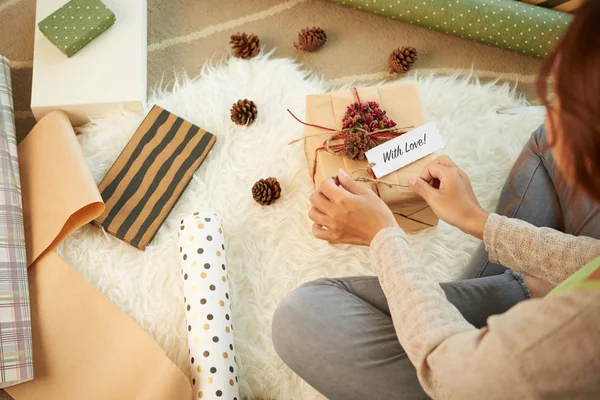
(581, 213)
(337, 334)
(536, 192)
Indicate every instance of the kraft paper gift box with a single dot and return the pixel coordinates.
(402, 102)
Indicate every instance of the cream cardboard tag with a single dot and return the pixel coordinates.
(403, 150)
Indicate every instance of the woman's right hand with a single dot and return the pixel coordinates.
(448, 191)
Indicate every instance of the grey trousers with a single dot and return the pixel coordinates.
(337, 334)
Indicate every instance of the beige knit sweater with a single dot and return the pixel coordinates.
(539, 349)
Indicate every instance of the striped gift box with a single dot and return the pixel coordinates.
(150, 175)
(560, 5)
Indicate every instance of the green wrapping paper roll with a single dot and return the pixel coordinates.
(507, 24)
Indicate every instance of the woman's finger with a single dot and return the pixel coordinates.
(319, 218)
(423, 189)
(348, 183)
(332, 191)
(321, 203)
(320, 233)
(433, 171)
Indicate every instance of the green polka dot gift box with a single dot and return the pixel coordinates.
(77, 23)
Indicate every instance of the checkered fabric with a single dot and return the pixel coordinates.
(16, 354)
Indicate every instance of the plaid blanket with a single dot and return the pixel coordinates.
(16, 358)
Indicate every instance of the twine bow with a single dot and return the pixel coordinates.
(374, 180)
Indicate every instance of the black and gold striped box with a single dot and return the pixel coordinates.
(150, 175)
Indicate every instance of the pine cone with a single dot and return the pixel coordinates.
(402, 59)
(244, 112)
(245, 46)
(357, 144)
(266, 191)
(310, 39)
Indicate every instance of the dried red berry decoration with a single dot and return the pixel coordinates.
(367, 116)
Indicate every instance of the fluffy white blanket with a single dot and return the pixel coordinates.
(270, 249)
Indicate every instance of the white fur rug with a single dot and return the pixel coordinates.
(270, 250)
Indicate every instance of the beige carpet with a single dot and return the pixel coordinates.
(184, 34)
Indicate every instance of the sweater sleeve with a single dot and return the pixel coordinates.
(541, 252)
(453, 359)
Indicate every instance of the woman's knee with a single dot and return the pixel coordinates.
(539, 134)
(540, 146)
(538, 141)
(296, 319)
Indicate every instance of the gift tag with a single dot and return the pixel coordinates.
(403, 150)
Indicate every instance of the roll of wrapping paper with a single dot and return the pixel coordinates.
(208, 312)
(16, 353)
(508, 24)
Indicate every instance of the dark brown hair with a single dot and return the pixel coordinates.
(574, 68)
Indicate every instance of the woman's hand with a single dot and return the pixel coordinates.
(348, 213)
(447, 190)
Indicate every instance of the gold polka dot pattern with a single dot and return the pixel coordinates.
(76, 24)
(207, 306)
(507, 24)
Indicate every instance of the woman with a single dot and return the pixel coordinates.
(401, 335)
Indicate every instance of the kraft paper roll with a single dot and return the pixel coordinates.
(207, 303)
(84, 347)
(507, 24)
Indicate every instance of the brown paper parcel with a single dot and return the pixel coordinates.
(402, 102)
(84, 346)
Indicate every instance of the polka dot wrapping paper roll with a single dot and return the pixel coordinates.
(508, 24)
(207, 304)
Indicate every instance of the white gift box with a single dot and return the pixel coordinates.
(107, 75)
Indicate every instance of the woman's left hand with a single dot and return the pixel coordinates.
(348, 213)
